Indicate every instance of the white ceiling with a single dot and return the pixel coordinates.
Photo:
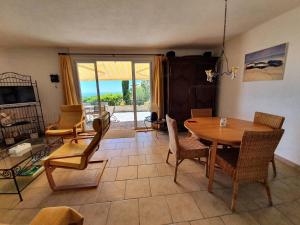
(130, 23)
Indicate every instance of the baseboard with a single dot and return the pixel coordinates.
(286, 161)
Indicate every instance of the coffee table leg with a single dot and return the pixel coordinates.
(213, 152)
(17, 186)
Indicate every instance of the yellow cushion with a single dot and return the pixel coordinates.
(57, 216)
(69, 149)
(61, 132)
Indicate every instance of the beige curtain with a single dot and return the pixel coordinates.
(68, 81)
(157, 87)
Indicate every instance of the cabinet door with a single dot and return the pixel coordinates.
(181, 79)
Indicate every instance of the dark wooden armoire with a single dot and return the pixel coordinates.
(185, 86)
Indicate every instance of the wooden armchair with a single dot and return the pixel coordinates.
(273, 121)
(185, 148)
(250, 162)
(75, 156)
(69, 124)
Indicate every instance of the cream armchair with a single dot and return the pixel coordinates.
(76, 156)
(69, 124)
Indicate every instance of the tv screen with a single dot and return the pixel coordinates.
(16, 94)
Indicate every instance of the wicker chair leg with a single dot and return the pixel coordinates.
(274, 167)
(169, 152)
(234, 195)
(206, 167)
(268, 192)
(176, 167)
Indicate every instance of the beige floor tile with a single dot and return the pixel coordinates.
(154, 211)
(210, 221)
(135, 160)
(188, 182)
(25, 216)
(243, 203)
(109, 174)
(95, 214)
(33, 197)
(8, 201)
(124, 213)
(118, 161)
(112, 153)
(165, 169)
(181, 223)
(183, 207)
(291, 210)
(40, 181)
(239, 219)
(284, 192)
(126, 173)
(269, 216)
(154, 158)
(137, 188)
(210, 205)
(8, 215)
(70, 198)
(163, 186)
(111, 191)
(147, 171)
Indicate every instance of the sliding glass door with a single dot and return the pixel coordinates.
(119, 87)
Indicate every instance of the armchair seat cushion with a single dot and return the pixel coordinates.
(59, 132)
(66, 150)
(192, 148)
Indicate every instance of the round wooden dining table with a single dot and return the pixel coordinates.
(208, 128)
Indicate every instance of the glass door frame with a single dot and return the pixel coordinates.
(132, 59)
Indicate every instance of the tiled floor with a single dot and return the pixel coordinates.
(137, 188)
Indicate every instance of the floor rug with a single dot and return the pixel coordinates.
(121, 133)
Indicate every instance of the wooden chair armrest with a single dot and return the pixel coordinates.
(81, 138)
(52, 126)
(63, 156)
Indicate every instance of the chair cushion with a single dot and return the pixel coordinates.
(65, 150)
(192, 148)
(57, 216)
(59, 132)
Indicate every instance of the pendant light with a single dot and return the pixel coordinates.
(232, 72)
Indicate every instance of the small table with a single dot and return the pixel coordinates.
(208, 128)
(156, 122)
(15, 171)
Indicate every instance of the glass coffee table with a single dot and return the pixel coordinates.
(17, 172)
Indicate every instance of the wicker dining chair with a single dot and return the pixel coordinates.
(270, 120)
(184, 148)
(250, 162)
(205, 112)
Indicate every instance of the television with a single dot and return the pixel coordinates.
(16, 94)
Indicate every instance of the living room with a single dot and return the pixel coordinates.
(170, 57)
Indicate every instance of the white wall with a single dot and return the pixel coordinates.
(241, 99)
(39, 63)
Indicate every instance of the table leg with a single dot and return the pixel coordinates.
(213, 152)
(17, 186)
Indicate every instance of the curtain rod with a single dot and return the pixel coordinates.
(110, 54)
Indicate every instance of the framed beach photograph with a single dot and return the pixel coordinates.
(266, 64)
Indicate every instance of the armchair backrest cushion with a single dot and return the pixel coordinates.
(70, 115)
